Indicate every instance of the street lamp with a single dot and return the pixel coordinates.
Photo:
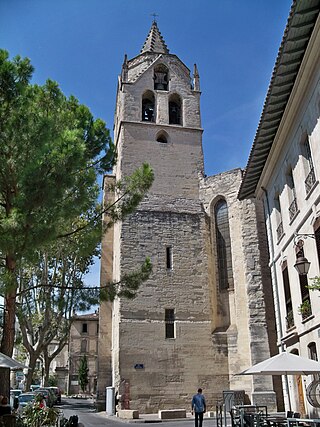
(302, 265)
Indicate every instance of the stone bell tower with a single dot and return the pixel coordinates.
(161, 341)
(201, 316)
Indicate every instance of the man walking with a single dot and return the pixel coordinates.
(198, 406)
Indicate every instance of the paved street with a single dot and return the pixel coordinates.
(85, 410)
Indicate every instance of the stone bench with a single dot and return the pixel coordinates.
(128, 414)
(167, 414)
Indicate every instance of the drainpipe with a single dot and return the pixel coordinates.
(275, 285)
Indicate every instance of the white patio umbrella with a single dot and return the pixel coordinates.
(8, 362)
(284, 364)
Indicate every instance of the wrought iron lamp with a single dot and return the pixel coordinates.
(302, 265)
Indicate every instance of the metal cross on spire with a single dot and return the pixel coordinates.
(154, 17)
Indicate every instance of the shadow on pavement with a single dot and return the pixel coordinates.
(81, 405)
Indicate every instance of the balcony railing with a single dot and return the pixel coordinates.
(293, 209)
(309, 181)
(280, 231)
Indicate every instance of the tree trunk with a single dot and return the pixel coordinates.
(9, 314)
(5, 382)
(32, 366)
(47, 362)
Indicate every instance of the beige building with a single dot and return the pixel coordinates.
(202, 316)
(283, 171)
(83, 341)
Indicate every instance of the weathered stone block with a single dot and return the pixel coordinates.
(167, 414)
(128, 414)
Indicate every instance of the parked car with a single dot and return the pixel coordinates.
(24, 400)
(57, 393)
(48, 394)
(34, 387)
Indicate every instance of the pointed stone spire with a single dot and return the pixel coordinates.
(124, 73)
(196, 78)
(154, 41)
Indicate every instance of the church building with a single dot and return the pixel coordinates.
(206, 313)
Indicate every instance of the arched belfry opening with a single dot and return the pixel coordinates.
(161, 77)
(148, 109)
(175, 110)
(162, 137)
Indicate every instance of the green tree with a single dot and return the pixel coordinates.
(83, 373)
(51, 152)
(315, 285)
(52, 288)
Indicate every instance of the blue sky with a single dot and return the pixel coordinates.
(81, 45)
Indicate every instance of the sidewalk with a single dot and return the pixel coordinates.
(154, 418)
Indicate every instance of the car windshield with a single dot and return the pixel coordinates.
(26, 397)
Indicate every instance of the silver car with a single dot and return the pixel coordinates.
(24, 400)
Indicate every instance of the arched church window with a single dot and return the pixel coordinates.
(148, 112)
(162, 137)
(175, 112)
(161, 77)
(223, 243)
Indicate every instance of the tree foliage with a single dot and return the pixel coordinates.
(51, 152)
(52, 288)
(315, 285)
(83, 373)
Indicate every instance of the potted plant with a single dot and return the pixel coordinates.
(305, 309)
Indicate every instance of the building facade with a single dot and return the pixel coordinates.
(201, 318)
(283, 171)
(83, 342)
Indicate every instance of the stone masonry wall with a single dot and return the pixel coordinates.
(172, 368)
(247, 335)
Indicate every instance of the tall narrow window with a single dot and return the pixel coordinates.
(293, 208)
(317, 238)
(175, 110)
(148, 112)
(277, 207)
(223, 245)
(84, 345)
(169, 322)
(312, 350)
(287, 296)
(169, 257)
(305, 308)
(310, 179)
(84, 328)
(161, 78)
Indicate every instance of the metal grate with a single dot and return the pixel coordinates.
(293, 209)
(309, 181)
(280, 231)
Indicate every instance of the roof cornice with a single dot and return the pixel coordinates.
(299, 28)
